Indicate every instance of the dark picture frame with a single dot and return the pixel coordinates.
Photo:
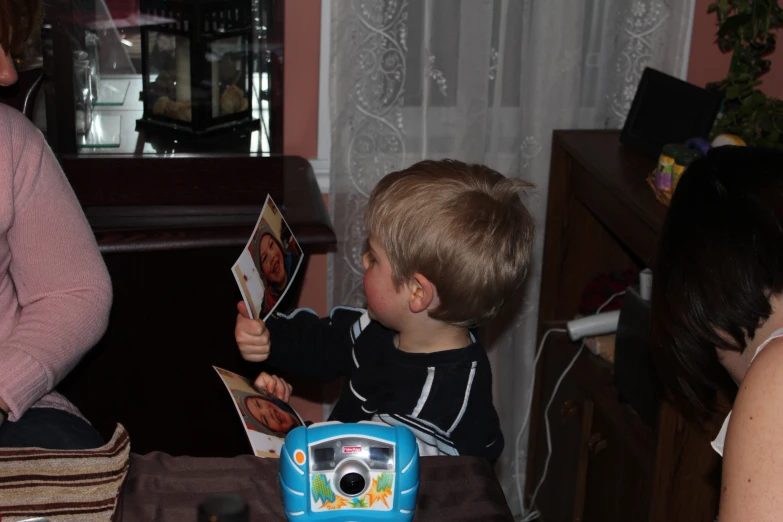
(667, 110)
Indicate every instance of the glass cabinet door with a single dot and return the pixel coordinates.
(162, 76)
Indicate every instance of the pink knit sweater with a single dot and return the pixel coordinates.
(55, 292)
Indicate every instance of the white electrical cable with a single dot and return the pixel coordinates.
(532, 513)
(527, 416)
(611, 298)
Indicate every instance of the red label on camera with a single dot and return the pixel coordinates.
(352, 449)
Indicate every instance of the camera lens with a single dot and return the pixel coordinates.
(352, 483)
(351, 477)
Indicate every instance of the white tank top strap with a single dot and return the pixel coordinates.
(720, 440)
(775, 335)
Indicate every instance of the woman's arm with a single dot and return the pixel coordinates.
(752, 484)
(62, 285)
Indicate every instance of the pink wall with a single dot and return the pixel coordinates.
(708, 64)
(313, 296)
(300, 138)
(302, 48)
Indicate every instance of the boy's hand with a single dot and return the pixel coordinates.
(274, 385)
(251, 335)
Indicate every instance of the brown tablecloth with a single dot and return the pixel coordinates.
(163, 488)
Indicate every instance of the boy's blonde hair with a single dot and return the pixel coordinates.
(461, 226)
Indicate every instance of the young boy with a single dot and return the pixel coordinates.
(448, 247)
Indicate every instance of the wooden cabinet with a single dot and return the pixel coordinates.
(170, 229)
(613, 458)
(606, 463)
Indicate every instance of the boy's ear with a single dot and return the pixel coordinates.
(422, 293)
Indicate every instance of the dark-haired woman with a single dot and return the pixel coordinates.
(718, 316)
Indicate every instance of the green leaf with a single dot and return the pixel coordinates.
(725, 46)
(761, 9)
(732, 93)
(765, 121)
(734, 23)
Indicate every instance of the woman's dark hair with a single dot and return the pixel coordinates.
(18, 20)
(719, 259)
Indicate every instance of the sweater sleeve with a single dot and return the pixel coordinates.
(304, 344)
(62, 286)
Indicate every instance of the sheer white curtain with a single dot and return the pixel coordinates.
(483, 81)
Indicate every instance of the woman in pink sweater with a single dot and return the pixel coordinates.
(55, 291)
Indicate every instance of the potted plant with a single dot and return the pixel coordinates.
(746, 28)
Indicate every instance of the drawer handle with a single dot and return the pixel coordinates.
(597, 443)
(569, 409)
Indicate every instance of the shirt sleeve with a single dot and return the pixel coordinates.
(478, 433)
(306, 345)
(476, 430)
(63, 290)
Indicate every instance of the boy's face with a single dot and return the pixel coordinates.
(270, 415)
(272, 260)
(385, 303)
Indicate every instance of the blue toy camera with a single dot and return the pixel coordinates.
(335, 471)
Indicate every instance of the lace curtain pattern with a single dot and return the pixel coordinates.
(482, 81)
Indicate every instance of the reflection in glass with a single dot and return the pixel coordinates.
(228, 65)
(159, 78)
(82, 91)
(197, 67)
(169, 73)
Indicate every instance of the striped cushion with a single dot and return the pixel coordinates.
(64, 485)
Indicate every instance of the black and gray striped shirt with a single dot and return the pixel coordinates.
(444, 397)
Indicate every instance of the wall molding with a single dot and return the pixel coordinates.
(683, 72)
(321, 169)
(322, 163)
